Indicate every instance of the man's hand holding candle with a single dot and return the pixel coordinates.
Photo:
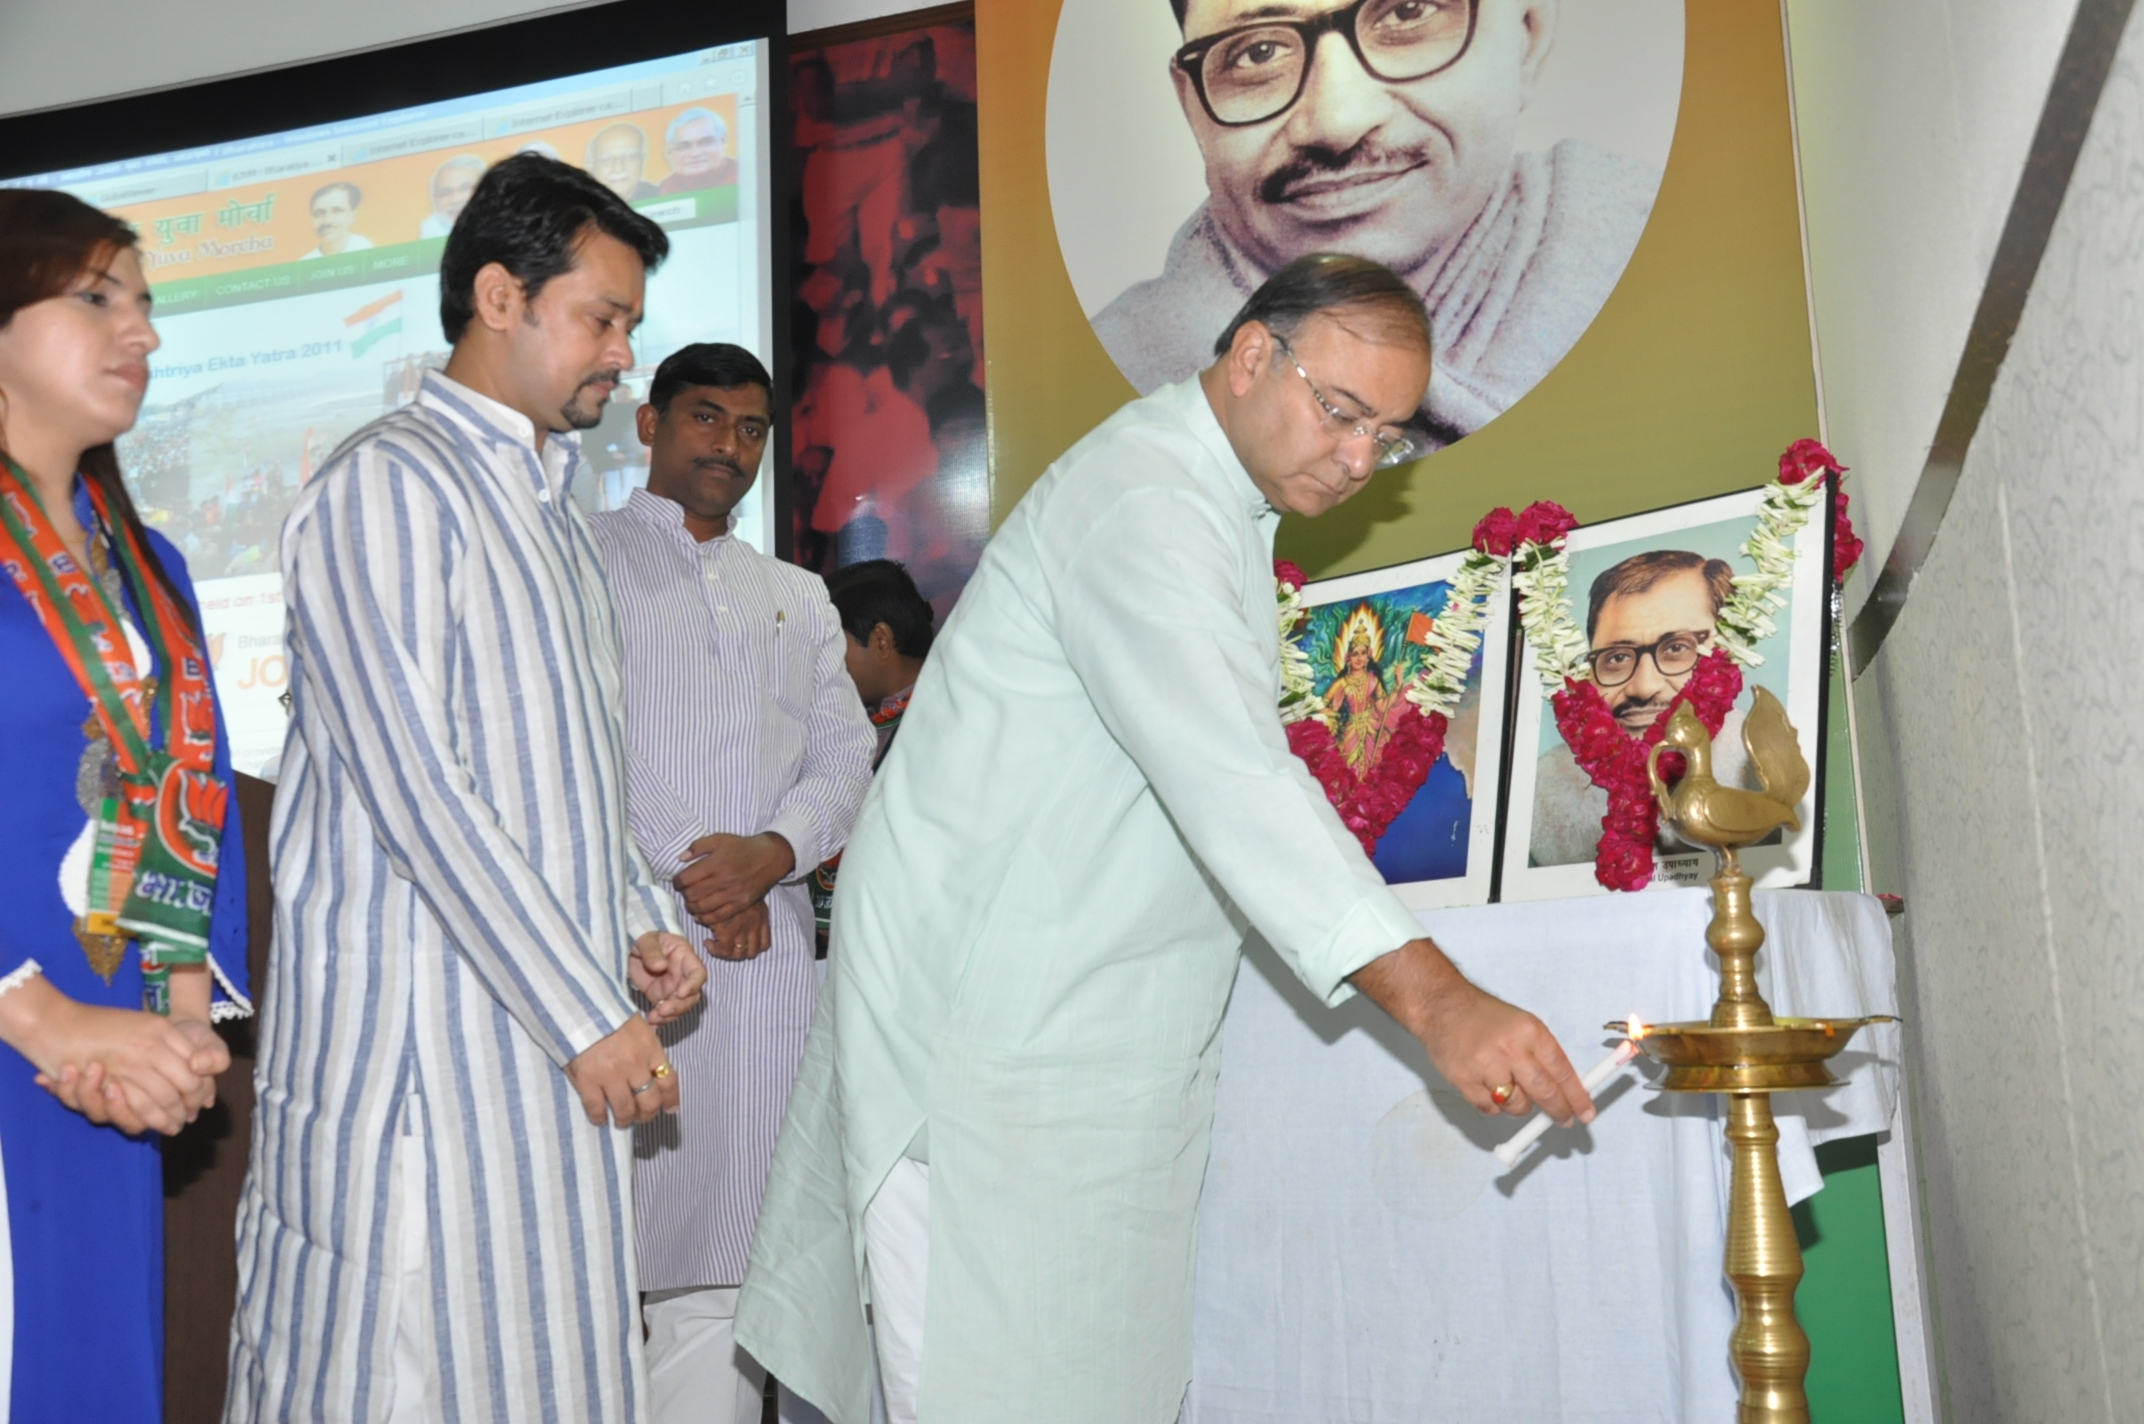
(1500, 1058)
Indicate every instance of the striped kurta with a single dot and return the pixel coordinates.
(456, 895)
(740, 718)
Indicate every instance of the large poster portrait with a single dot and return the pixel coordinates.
(1366, 638)
(1502, 154)
(1647, 592)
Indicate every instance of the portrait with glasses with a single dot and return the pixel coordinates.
(1647, 591)
(1503, 155)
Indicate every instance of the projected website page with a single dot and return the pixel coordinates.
(297, 294)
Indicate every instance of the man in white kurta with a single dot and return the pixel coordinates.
(1040, 913)
(750, 755)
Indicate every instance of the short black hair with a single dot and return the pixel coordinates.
(880, 591)
(1180, 6)
(707, 363)
(1641, 572)
(529, 214)
(1330, 282)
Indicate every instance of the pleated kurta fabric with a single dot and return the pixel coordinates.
(456, 897)
(740, 718)
(1036, 927)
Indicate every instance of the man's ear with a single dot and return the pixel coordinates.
(881, 644)
(1248, 356)
(1539, 19)
(645, 420)
(499, 298)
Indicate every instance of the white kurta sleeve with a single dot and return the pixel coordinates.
(664, 828)
(1150, 609)
(373, 626)
(818, 810)
(649, 908)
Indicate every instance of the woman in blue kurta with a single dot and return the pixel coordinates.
(88, 1076)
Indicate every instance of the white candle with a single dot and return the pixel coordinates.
(1541, 1122)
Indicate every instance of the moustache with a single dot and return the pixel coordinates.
(1365, 160)
(1632, 705)
(716, 462)
(603, 378)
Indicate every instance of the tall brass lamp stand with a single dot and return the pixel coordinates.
(1744, 1052)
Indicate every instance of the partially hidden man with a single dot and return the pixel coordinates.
(750, 755)
(1001, 1125)
(438, 1219)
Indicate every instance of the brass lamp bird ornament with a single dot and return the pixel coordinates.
(1719, 816)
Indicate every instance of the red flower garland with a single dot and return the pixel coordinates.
(1501, 532)
(1367, 804)
(1807, 459)
(1616, 762)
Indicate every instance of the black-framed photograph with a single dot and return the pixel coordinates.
(1646, 593)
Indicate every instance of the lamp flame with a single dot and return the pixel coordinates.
(1634, 1028)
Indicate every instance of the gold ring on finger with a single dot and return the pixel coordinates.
(662, 1071)
(1502, 1094)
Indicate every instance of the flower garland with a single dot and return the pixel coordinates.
(1614, 760)
(1297, 700)
(1367, 805)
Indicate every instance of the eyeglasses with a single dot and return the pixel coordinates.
(1256, 72)
(1394, 447)
(1672, 655)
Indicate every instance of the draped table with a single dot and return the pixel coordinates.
(1360, 1261)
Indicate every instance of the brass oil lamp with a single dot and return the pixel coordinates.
(1745, 1052)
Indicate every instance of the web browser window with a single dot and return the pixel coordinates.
(297, 294)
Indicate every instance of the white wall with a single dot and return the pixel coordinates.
(2001, 748)
(55, 52)
(1999, 757)
(1914, 117)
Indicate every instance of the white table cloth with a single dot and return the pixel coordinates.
(1359, 1259)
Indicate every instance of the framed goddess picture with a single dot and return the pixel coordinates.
(1647, 596)
(1426, 811)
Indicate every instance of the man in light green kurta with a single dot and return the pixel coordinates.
(1041, 911)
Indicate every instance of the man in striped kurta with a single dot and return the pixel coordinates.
(437, 1221)
(750, 755)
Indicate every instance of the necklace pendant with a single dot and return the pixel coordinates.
(106, 951)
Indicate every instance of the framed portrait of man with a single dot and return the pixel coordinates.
(1503, 155)
(1646, 591)
(1366, 636)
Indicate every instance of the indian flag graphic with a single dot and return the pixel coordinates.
(373, 322)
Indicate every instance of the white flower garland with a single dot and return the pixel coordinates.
(1543, 578)
(1455, 634)
(1746, 618)
(1297, 699)
(1441, 680)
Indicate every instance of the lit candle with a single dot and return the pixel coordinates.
(1594, 1077)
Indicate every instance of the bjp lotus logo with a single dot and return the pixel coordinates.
(215, 650)
(189, 818)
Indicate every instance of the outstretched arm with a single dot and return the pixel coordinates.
(1476, 1040)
